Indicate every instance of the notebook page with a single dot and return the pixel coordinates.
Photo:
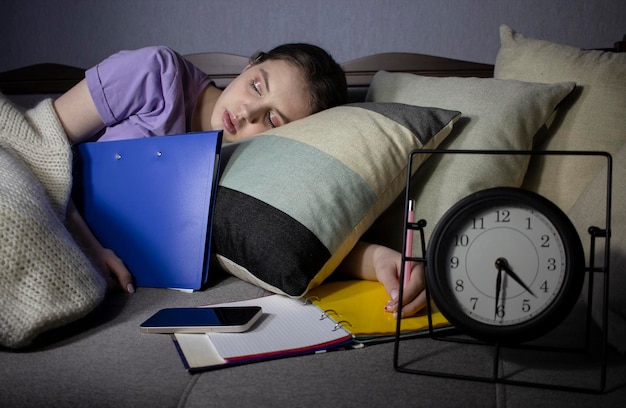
(287, 324)
(198, 350)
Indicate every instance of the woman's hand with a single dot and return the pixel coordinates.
(104, 259)
(377, 262)
(112, 268)
(413, 295)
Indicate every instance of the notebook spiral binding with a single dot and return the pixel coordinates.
(327, 313)
(307, 300)
(341, 324)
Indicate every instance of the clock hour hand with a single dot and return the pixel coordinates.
(502, 264)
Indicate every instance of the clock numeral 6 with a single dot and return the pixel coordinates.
(500, 311)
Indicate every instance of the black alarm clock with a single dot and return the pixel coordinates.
(505, 265)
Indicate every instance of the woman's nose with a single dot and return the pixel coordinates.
(252, 112)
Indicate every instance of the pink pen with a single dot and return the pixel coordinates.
(408, 250)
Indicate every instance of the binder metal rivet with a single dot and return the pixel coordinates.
(159, 154)
(118, 156)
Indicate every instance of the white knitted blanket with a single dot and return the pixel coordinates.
(45, 279)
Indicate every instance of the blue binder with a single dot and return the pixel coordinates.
(151, 201)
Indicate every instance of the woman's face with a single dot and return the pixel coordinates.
(265, 95)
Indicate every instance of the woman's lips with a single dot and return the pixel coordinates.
(229, 122)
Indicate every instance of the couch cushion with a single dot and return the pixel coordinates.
(497, 114)
(293, 202)
(591, 118)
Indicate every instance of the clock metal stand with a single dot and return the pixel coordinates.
(592, 350)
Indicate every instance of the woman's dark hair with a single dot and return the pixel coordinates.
(326, 78)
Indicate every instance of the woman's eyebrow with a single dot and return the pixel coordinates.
(265, 77)
(266, 80)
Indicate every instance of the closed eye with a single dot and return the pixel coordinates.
(269, 117)
(255, 87)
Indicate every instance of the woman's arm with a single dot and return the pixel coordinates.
(377, 262)
(77, 113)
(80, 119)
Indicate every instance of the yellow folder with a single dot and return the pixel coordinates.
(359, 304)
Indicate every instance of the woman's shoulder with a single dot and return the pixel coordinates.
(156, 55)
(159, 57)
(153, 63)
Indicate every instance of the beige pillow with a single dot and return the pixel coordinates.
(593, 117)
(497, 115)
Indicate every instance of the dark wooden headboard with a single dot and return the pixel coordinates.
(359, 72)
(40, 79)
(223, 68)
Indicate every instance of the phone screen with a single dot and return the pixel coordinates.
(202, 319)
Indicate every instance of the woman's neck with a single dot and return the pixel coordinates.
(201, 119)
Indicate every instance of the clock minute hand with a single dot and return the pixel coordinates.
(502, 263)
(498, 288)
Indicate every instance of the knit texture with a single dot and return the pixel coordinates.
(38, 138)
(45, 279)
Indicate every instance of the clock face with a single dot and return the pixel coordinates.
(505, 264)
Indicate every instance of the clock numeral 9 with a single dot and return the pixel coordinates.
(454, 262)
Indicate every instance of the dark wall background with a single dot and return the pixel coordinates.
(82, 32)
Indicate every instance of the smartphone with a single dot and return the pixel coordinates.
(233, 319)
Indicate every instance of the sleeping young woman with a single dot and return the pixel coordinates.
(155, 91)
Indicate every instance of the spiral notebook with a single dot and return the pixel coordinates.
(151, 201)
(288, 327)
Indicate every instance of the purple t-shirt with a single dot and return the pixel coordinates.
(151, 91)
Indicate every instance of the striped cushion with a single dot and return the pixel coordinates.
(294, 201)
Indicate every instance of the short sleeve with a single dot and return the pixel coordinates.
(146, 92)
